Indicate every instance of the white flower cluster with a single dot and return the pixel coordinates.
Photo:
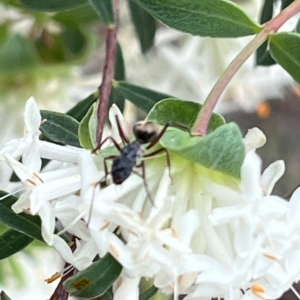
(202, 238)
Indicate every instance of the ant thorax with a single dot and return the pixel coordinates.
(132, 153)
(145, 132)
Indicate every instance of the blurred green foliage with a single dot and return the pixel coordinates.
(37, 46)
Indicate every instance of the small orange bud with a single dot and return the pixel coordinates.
(264, 110)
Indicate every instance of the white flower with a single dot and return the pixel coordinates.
(44, 190)
(83, 255)
(127, 289)
(27, 146)
(203, 237)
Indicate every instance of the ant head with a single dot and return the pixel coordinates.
(145, 132)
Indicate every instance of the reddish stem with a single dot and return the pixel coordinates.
(108, 73)
(272, 26)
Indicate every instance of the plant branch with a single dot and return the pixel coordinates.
(272, 26)
(108, 73)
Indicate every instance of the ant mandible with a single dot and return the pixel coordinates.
(123, 164)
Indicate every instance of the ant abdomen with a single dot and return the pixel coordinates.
(121, 169)
(124, 163)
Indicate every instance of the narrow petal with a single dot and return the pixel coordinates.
(32, 118)
(250, 174)
(31, 157)
(113, 113)
(128, 289)
(47, 216)
(294, 208)
(271, 175)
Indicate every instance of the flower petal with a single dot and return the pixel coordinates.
(271, 175)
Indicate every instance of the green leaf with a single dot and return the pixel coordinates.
(17, 54)
(149, 293)
(144, 24)
(263, 57)
(222, 150)
(3, 296)
(67, 45)
(297, 29)
(95, 280)
(84, 131)
(26, 224)
(82, 107)
(60, 128)
(52, 5)
(53, 52)
(284, 49)
(12, 242)
(285, 3)
(104, 9)
(142, 97)
(115, 97)
(77, 16)
(183, 112)
(74, 42)
(119, 73)
(266, 11)
(215, 18)
(108, 295)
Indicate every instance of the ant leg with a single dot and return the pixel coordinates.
(106, 172)
(167, 158)
(124, 138)
(142, 166)
(180, 126)
(158, 137)
(104, 178)
(92, 203)
(106, 139)
(161, 133)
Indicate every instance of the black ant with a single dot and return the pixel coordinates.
(123, 164)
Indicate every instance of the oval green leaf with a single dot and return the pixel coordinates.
(215, 18)
(183, 112)
(12, 242)
(84, 131)
(60, 128)
(263, 57)
(95, 280)
(75, 17)
(149, 293)
(26, 224)
(222, 150)
(74, 43)
(104, 9)
(81, 108)
(144, 24)
(297, 29)
(52, 5)
(285, 3)
(67, 45)
(284, 49)
(141, 97)
(108, 295)
(17, 54)
(266, 11)
(119, 74)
